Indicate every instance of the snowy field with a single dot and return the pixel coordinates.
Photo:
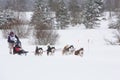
(99, 62)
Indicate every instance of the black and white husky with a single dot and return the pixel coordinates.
(50, 50)
(38, 51)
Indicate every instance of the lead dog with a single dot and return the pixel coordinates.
(79, 52)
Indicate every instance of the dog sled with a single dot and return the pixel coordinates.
(17, 49)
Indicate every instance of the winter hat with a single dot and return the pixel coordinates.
(11, 33)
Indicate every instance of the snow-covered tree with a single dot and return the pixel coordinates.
(92, 12)
(75, 12)
(51, 4)
(16, 5)
(38, 15)
(116, 24)
(41, 20)
(62, 15)
(6, 17)
(41, 15)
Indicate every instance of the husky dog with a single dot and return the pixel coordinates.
(38, 51)
(79, 52)
(68, 49)
(50, 50)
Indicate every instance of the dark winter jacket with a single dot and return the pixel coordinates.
(12, 41)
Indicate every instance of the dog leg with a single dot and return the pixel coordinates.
(81, 53)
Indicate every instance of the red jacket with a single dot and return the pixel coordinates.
(17, 49)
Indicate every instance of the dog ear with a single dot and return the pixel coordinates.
(82, 48)
(36, 49)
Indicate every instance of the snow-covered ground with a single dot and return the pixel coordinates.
(99, 62)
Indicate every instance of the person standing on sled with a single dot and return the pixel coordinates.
(12, 39)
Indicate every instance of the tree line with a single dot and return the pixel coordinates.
(49, 15)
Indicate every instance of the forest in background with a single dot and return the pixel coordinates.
(49, 15)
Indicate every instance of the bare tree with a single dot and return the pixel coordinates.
(43, 37)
